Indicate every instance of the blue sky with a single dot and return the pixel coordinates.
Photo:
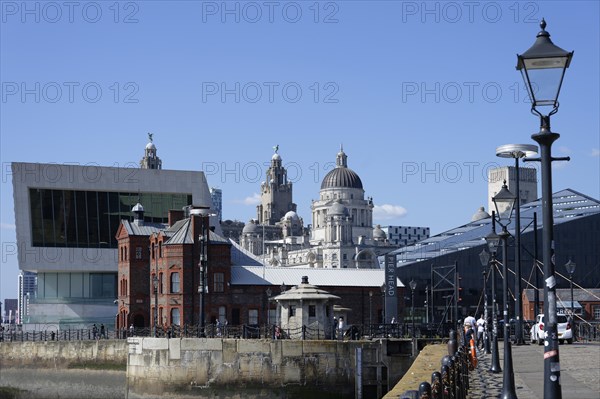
(419, 93)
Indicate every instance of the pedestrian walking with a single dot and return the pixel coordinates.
(480, 329)
(102, 331)
(95, 331)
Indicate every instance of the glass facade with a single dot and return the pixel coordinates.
(71, 286)
(90, 219)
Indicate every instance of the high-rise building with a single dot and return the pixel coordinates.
(527, 184)
(216, 195)
(275, 193)
(27, 290)
(66, 219)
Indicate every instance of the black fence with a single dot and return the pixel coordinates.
(584, 332)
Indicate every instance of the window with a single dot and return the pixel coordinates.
(312, 311)
(160, 283)
(175, 283)
(596, 312)
(138, 252)
(222, 314)
(253, 316)
(292, 311)
(175, 318)
(218, 282)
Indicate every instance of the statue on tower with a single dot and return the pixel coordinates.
(276, 148)
(150, 136)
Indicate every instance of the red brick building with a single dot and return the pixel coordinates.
(237, 287)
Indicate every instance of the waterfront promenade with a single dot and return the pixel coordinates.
(580, 372)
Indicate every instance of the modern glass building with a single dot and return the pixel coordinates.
(576, 232)
(66, 219)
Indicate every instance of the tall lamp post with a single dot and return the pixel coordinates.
(570, 266)
(413, 286)
(504, 202)
(492, 241)
(484, 257)
(543, 67)
(517, 151)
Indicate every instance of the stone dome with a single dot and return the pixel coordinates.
(251, 227)
(341, 177)
(480, 214)
(291, 215)
(150, 146)
(137, 208)
(337, 209)
(379, 234)
(276, 157)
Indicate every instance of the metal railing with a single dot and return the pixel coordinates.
(584, 332)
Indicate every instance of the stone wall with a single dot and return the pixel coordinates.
(158, 365)
(64, 354)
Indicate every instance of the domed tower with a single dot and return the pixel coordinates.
(251, 238)
(275, 193)
(150, 159)
(342, 187)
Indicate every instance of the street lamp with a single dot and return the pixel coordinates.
(517, 151)
(484, 257)
(492, 241)
(570, 266)
(504, 202)
(413, 286)
(543, 67)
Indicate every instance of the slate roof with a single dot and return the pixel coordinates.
(181, 233)
(146, 229)
(258, 275)
(564, 294)
(567, 204)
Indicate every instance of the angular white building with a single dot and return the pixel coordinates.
(66, 218)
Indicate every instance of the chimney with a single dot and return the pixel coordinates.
(175, 215)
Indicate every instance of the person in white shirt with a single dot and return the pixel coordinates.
(480, 329)
(470, 326)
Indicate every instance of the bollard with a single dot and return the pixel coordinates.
(445, 382)
(452, 343)
(424, 390)
(436, 385)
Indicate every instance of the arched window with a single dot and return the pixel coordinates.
(175, 318)
(175, 283)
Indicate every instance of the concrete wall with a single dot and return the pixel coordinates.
(158, 365)
(63, 354)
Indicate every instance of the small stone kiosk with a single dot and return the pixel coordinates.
(306, 305)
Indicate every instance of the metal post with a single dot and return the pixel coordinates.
(552, 388)
(412, 309)
(518, 302)
(486, 337)
(536, 292)
(508, 378)
(495, 366)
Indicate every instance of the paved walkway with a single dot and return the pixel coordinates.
(580, 372)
